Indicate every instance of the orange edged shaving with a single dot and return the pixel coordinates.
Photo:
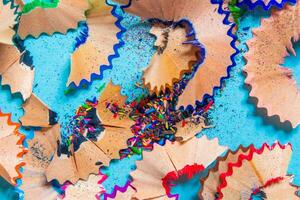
(12, 149)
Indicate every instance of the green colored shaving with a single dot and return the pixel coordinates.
(101, 87)
(136, 150)
(235, 11)
(39, 3)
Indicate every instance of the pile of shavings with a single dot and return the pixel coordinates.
(155, 119)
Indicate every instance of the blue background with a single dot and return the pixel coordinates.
(234, 117)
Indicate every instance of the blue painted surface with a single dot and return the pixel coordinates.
(233, 116)
(7, 191)
(187, 189)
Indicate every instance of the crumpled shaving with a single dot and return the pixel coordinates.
(272, 84)
(177, 51)
(210, 30)
(93, 56)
